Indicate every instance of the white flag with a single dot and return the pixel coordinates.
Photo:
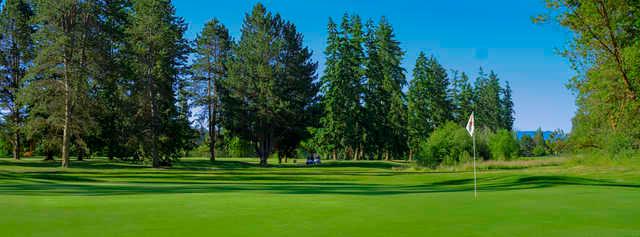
(471, 125)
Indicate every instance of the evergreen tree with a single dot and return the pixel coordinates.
(462, 98)
(353, 59)
(429, 103)
(213, 48)
(67, 36)
(343, 88)
(376, 100)
(298, 82)
(506, 107)
(419, 121)
(391, 102)
(16, 55)
(332, 122)
(158, 56)
(439, 102)
(114, 109)
(268, 71)
(487, 101)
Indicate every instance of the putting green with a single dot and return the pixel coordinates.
(234, 198)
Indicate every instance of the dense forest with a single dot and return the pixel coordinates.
(118, 78)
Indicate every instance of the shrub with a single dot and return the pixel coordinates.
(539, 151)
(447, 145)
(526, 145)
(503, 145)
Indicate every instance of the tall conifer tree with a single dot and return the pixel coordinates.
(271, 82)
(16, 55)
(213, 48)
(158, 56)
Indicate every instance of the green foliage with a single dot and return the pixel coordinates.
(487, 101)
(16, 55)
(557, 142)
(503, 145)
(540, 146)
(526, 145)
(447, 145)
(429, 105)
(158, 56)
(385, 105)
(270, 91)
(462, 98)
(604, 53)
(506, 108)
(343, 121)
(213, 49)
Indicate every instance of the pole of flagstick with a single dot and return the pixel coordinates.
(475, 183)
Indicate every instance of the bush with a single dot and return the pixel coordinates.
(539, 151)
(447, 145)
(526, 145)
(503, 145)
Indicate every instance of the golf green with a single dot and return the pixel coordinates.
(233, 197)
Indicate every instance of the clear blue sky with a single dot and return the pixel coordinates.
(464, 35)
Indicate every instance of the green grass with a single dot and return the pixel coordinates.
(233, 197)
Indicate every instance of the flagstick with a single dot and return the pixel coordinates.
(475, 183)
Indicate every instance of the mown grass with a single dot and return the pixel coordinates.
(235, 197)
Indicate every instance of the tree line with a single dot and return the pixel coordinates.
(118, 78)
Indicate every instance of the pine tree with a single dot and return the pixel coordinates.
(16, 54)
(462, 98)
(158, 56)
(376, 101)
(331, 122)
(487, 101)
(213, 48)
(66, 36)
(507, 111)
(419, 120)
(344, 121)
(114, 108)
(298, 82)
(439, 102)
(430, 105)
(391, 100)
(268, 71)
(353, 60)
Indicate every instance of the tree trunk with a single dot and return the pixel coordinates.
(16, 145)
(212, 122)
(410, 154)
(66, 130)
(335, 157)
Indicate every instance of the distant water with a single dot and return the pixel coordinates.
(519, 134)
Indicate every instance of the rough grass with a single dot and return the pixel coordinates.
(234, 197)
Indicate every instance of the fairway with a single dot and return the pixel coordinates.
(233, 197)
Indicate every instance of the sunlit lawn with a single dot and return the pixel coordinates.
(233, 197)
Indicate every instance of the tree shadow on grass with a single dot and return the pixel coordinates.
(91, 187)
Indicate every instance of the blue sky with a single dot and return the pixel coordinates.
(464, 35)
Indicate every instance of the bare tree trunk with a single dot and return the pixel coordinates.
(16, 121)
(212, 122)
(16, 145)
(67, 116)
(335, 157)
